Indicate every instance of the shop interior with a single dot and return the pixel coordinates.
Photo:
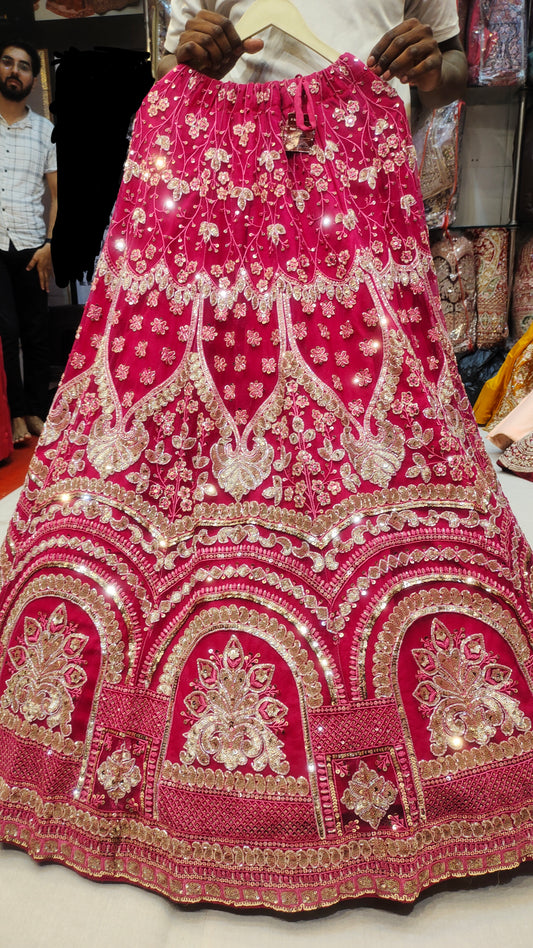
(476, 166)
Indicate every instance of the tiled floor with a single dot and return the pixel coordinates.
(52, 907)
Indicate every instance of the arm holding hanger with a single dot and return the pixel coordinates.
(210, 44)
(411, 53)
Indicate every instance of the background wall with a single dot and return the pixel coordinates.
(126, 30)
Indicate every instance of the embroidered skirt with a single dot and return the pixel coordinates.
(266, 615)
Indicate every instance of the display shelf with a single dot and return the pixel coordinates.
(489, 156)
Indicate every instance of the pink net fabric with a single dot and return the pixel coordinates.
(266, 615)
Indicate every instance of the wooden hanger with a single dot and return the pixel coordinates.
(285, 17)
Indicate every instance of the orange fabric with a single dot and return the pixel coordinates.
(512, 383)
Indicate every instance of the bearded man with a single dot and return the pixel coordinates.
(27, 166)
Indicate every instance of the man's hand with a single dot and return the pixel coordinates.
(42, 259)
(411, 53)
(211, 45)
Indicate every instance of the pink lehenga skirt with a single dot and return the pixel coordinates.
(266, 614)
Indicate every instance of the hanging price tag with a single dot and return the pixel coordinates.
(295, 138)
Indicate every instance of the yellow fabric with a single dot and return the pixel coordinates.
(514, 381)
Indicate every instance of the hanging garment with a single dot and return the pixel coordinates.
(82, 8)
(522, 300)
(437, 137)
(512, 382)
(97, 91)
(454, 260)
(496, 42)
(266, 613)
(491, 250)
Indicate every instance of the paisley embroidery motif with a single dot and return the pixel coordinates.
(112, 449)
(239, 471)
(377, 458)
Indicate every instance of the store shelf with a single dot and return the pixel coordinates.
(488, 169)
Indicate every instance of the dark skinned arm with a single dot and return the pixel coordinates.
(210, 44)
(411, 53)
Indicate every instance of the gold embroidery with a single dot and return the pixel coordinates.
(241, 470)
(114, 449)
(119, 774)
(237, 713)
(477, 756)
(48, 668)
(243, 784)
(41, 735)
(88, 831)
(279, 637)
(184, 290)
(248, 620)
(464, 690)
(369, 795)
(314, 530)
(376, 457)
(73, 590)
(426, 602)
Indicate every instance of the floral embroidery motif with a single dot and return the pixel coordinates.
(48, 669)
(260, 435)
(465, 692)
(237, 713)
(369, 795)
(119, 774)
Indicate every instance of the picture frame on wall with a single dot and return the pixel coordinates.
(77, 9)
(40, 97)
(157, 17)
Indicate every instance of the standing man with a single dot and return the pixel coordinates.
(27, 166)
(409, 42)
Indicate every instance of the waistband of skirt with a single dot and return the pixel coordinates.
(336, 79)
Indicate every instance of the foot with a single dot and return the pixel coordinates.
(20, 433)
(35, 424)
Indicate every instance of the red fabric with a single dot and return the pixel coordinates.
(266, 612)
(6, 440)
(496, 42)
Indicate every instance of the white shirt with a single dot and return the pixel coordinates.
(349, 26)
(26, 156)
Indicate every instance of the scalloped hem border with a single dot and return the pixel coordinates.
(404, 881)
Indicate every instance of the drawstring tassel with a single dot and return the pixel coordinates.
(299, 131)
